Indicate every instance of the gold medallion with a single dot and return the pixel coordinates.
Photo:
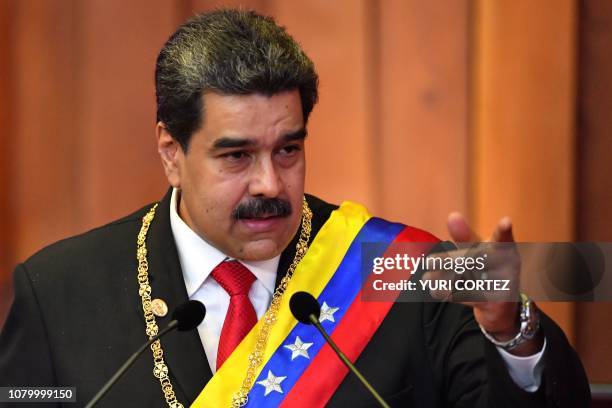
(159, 307)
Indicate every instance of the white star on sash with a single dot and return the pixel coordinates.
(272, 383)
(299, 348)
(327, 313)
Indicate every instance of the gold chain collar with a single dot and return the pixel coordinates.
(160, 369)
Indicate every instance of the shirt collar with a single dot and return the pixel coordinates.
(198, 257)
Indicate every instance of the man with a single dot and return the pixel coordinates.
(234, 93)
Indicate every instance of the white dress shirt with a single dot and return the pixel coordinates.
(198, 258)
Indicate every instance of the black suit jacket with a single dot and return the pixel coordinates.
(77, 317)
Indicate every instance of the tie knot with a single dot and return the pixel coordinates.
(234, 277)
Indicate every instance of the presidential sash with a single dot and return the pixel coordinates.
(299, 369)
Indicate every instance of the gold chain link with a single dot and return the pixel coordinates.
(160, 369)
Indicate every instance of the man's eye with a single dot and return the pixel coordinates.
(290, 149)
(234, 156)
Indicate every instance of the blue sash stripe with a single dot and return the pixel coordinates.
(340, 292)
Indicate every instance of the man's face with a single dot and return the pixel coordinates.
(242, 177)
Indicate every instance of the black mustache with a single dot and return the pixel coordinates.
(259, 207)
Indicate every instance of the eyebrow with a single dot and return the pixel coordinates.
(297, 135)
(234, 142)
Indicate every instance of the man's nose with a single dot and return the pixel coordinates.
(265, 180)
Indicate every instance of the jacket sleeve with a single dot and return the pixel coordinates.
(473, 374)
(25, 358)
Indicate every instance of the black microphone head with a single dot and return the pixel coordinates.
(189, 315)
(302, 305)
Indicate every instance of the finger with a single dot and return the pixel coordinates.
(459, 229)
(503, 231)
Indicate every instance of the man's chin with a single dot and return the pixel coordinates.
(259, 250)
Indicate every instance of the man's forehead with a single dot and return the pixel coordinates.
(240, 120)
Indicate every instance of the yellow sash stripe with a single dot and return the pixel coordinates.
(312, 275)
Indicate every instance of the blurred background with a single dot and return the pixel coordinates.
(490, 107)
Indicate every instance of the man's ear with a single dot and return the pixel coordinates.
(171, 154)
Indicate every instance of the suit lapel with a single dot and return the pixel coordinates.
(183, 351)
(285, 260)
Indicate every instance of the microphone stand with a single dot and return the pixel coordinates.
(315, 321)
(172, 325)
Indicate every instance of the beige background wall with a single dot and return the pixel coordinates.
(487, 107)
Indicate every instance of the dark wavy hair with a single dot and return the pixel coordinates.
(230, 52)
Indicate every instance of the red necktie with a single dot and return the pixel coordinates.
(236, 279)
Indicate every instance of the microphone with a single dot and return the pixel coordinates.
(188, 315)
(185, 317)
(307, 310)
